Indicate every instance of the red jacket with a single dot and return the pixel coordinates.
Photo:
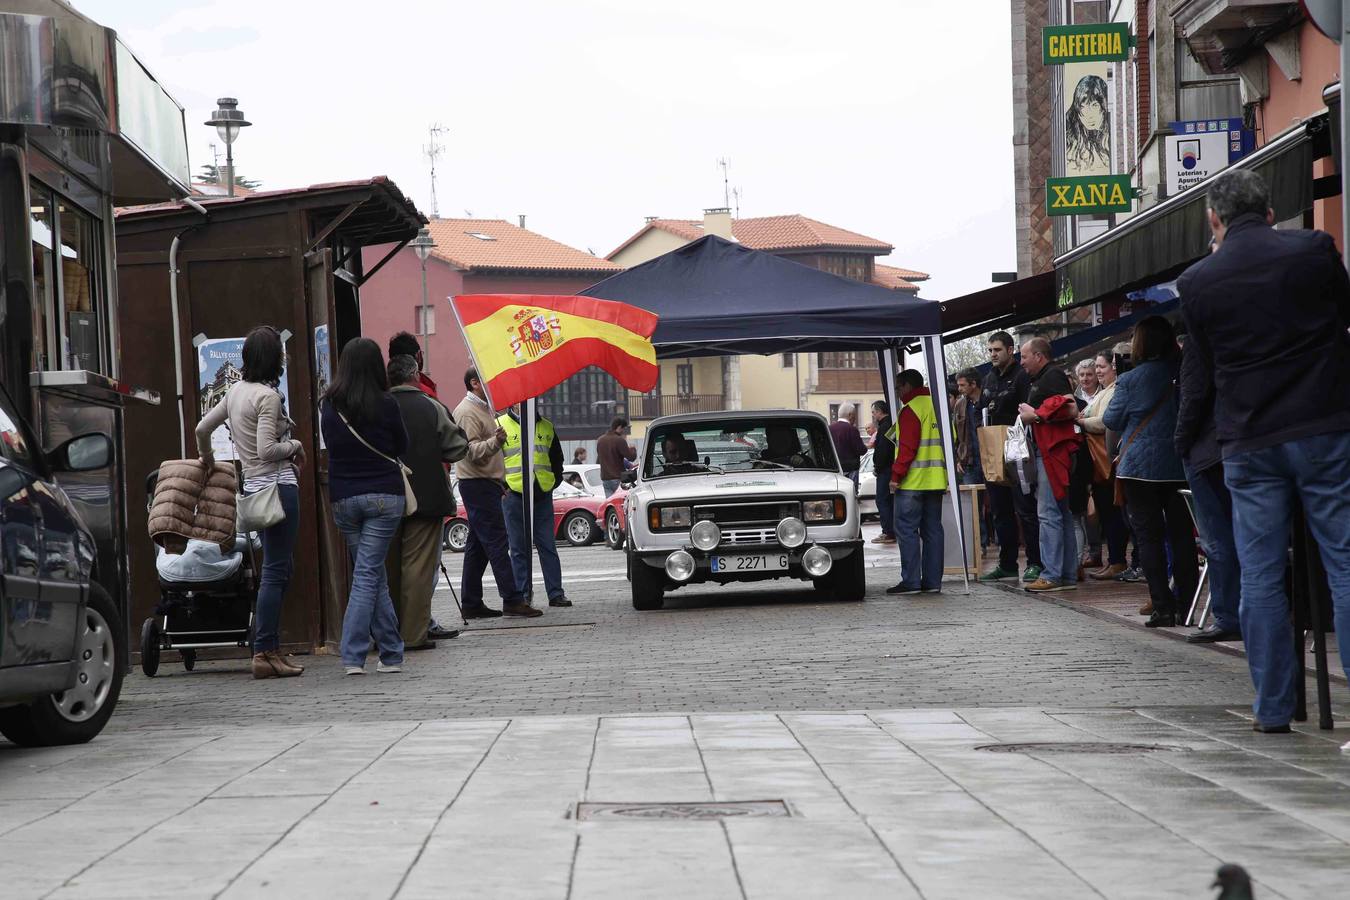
(907, 438)
(427, 386)
(1056, 440)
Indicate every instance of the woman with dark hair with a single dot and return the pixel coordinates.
(1143, 411)
(1087, 129)
(579, 456)
(363, 428)
(255, 413)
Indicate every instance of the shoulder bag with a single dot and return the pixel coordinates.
(409, 498)
(261, 509)
(1119, 491)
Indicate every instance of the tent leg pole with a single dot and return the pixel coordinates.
(937, 376)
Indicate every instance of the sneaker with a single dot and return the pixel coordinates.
(998, 574)
(1046, 586)
(1131, 574)
(901, 589)
(389, 670)
(1032, 574)
(354, 670)
(884, 539)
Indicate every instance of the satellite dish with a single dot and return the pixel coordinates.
(1325, 16)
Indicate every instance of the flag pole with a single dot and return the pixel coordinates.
(527, 492)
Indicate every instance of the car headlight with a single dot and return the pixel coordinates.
(705, 535)
(670, 517)
(680, 566)
(791, 532)
(831, 510)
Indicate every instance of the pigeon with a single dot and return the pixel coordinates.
(1236, 883)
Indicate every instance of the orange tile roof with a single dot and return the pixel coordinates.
(896, 279)
(793, 232)
(510, 247)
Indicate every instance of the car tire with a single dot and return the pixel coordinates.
(579, 529)
(189, 659)
(77, 715)
(456, 535)
(847, 582)
(649, 585)
(150, 647)
(613, 531)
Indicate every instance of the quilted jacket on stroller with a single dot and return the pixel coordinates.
(193, 504)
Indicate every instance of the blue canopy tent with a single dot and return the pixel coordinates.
(715, 297)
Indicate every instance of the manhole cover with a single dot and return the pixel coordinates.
(1079, 747)
(705, 810)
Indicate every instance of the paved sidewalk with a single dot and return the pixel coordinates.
(897, 803)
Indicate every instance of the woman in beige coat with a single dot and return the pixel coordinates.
(1109, 516)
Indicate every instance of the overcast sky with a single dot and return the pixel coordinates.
(891, 117)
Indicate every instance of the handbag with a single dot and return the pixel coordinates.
(259, 510)
(1101, 459)
(992, 441)
(409, 498)
(1119, 489)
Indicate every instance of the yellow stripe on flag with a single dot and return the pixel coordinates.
(491, 338)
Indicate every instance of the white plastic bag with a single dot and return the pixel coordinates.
(1017, 448)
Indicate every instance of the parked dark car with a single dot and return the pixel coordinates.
(62, 643)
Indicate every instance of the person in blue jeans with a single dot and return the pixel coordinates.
(364, 431)
(1267, 314)
(919, 480)
(883, 457)
(546, 470)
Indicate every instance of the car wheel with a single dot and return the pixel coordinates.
(613, 531)
(189, 659)
(456, 535)
(579, 529)
(77, 715)
(150, 647)
(847, 581)
(649, 585)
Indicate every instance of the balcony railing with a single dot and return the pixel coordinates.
(674, 404)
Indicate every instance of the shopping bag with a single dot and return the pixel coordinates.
(992, 439)
(1018, 446)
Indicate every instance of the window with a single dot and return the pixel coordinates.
(424, 320)
(44, 272)
(480, 235)
(80, 339)
(786, 360)
(849, 360)
(1201, 95)
(684, 379)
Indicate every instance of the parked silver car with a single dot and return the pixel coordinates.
(741, 496)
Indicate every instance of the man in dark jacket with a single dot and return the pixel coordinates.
(415, 551)
(848, 442)
(544, 471)
(883, 457)
(1006, 387)
(1266, 314)
(1198, 448)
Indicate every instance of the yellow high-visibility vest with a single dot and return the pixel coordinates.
(928, 472)
(543, 440)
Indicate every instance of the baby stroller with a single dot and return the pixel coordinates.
(206, 598)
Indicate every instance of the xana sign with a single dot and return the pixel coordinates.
(1090, 195)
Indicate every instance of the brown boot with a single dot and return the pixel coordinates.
(271, 664)
(1147, 608)
(1107, 573)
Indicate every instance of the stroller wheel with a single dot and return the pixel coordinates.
(150, 647)
(189, 659)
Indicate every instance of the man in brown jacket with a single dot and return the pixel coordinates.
(482, 485)
(612, 450)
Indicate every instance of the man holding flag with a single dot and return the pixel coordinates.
(544, 470)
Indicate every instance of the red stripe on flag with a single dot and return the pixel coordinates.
(533, 379)
(475, 307)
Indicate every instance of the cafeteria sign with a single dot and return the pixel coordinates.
(1090, 195)
(1062, 44)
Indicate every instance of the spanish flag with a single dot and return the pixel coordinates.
(525, 344)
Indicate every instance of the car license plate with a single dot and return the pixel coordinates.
(766, 562)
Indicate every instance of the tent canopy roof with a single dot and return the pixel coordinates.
(715, 298)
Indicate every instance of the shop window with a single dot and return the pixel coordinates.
(81, 341)
(43, 213)
(684, 379)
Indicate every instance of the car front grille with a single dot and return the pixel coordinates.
(730, 515)
(749, 536)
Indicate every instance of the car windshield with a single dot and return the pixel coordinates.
(739, 445)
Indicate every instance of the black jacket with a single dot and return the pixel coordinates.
(429, 480)
(1266, 315)
(883, 451)
(1004, 392)
(1196, 442)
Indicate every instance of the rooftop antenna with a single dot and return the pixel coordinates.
(215, 159)
(432, 151)
(736, 196)
(725, 163)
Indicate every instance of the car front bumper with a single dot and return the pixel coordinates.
(703, 574)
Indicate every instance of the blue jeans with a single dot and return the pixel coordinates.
(278, 546)
(487, 543)
(1214, 520)
(1059, 544)
(1264, 484)
(369, 522)
(610, 485)
(886, 504)
(918, 535)
(541, 511)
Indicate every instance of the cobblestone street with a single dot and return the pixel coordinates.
(463, 775)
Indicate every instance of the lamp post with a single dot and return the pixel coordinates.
(229, 119)
(423, 245)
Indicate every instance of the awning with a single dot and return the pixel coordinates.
(1160, 242)
(998, 307)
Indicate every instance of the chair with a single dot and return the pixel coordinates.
(1204, 568)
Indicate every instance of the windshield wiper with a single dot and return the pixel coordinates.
(716, 470)
(769, 462)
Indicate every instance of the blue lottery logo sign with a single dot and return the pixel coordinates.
(1199, 150)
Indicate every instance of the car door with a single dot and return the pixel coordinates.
(25, 623)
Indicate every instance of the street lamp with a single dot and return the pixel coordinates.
(228, 120)
(423, 245)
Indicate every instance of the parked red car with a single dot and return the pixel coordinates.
(614, 519)
(576, 519)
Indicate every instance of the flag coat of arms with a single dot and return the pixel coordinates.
(525, 344)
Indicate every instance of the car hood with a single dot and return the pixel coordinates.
(766, 483)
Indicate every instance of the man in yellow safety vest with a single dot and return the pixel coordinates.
(546, 469)
(918, 479)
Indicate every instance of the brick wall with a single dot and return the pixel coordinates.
(1032, 143)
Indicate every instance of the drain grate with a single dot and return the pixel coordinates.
(706, 810)
(1079, 747)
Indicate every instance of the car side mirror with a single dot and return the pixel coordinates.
(628, 478)
(84, 453)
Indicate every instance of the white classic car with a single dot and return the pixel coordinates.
(741, 496)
